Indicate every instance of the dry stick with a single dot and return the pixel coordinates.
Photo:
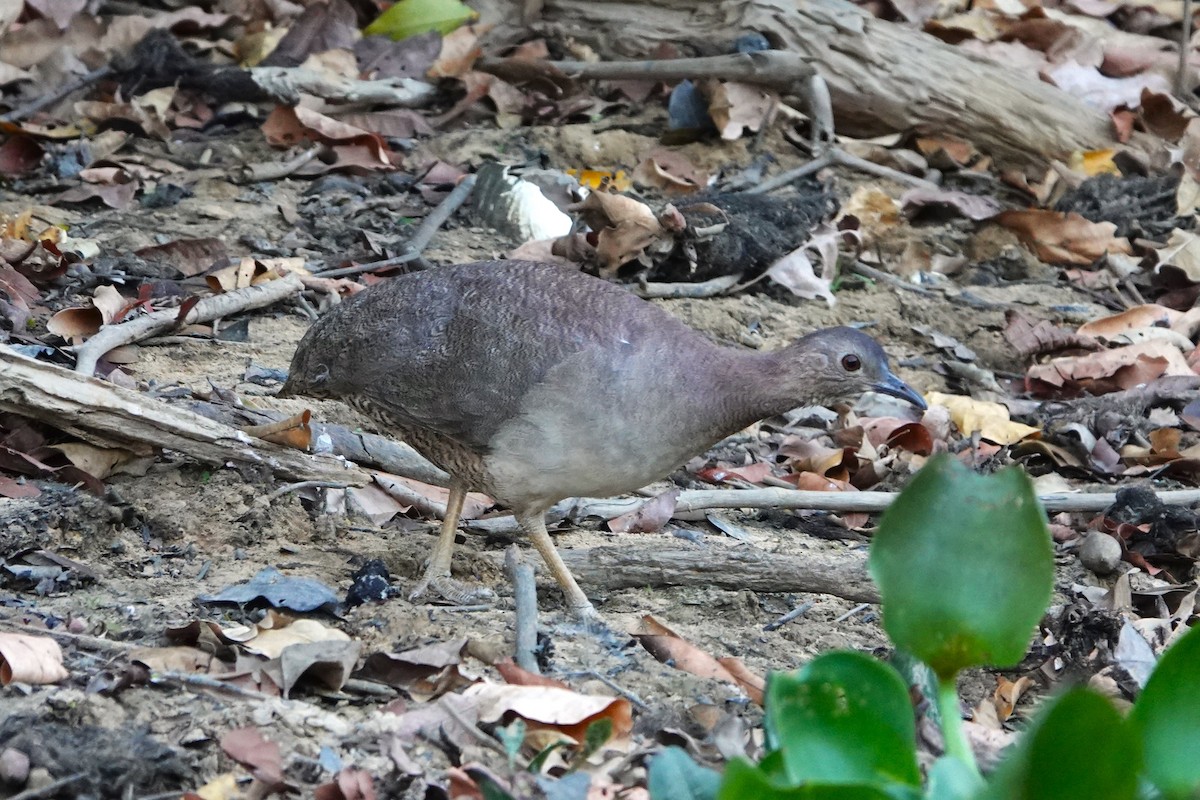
(577, 508)
(869, 272)
(709, 288)
(286, 84)
(736, 568)
(421, 237)
(1185, 46)
(837, 156)
(50, 789)
(80, 640)
(110, 416)
(274, 170)
(83, 81)
(852, 612)
(795, 613)
(429, 226)
(520, 575)
(781, 70)
(207, 309)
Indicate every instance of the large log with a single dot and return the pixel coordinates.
(882, 77)
(109, 416)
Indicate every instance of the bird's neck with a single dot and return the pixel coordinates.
(756, 386)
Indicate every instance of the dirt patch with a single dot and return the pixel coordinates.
(157, 542)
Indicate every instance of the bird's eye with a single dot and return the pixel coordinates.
(851, 363)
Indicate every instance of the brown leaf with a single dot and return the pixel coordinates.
(542, 707)
(738, 107)
(80, 322)
(1058, 238)
(189, 256)
(30, 659)
(670, 171)
(1133, 319)
(1035, 337)
(649, 517)
(670, 648)
(1110, 370)
(251, 749)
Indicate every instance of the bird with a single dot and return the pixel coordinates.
(534, 382)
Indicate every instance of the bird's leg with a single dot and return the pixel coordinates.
(439, 561)
(534, 524)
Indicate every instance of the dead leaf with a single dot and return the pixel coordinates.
(251, 749)
(670, 648)
(671, 172)
(30, 659)
(1110, 370)
(78, 323)
(738, 107)
(548, 707)
(649, 517)
(625, 228)
(1058, 238)
(990, 420)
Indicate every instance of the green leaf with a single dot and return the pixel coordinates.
(965, 566)
(1079, 748)
(512, 737)
(1167, 716)
(952, 779)
(410, 17)
(743, 782)
(674, 776)
(595, 736)
(844, 718)
(537, 762)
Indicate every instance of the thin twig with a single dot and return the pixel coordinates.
(206, 310)
(710, 288)
(795, 613)
(475, 732)
(82, 82)
(301, 486)
(852, 612)
(80, 640)
(189, 680)
(865, 271)
(50, 789)
(438, 217)
(1185, 48)
(790, 176)
(525, 595)
(616, 687)
(370, 266)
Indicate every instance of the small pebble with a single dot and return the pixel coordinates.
(14, 767)
(1100, 553)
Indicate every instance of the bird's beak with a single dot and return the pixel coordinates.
(898, 388)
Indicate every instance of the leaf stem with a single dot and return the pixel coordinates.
(952, 728)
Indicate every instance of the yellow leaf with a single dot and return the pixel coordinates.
(990, 419)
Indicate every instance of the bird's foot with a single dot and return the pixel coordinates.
(594, 625)
(443, 587)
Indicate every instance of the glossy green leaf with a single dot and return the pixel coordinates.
(743, 782)
(1167, 717)
(951, 779)
(843, 718)
(675, 776)
(410, 17)
(1079, 748)
(965, 566)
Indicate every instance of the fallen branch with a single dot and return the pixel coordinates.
(208, 309)
(786, 73)
(520, 575)
(629, 567)
(109, 416)
(577, 509)
(286, 84)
